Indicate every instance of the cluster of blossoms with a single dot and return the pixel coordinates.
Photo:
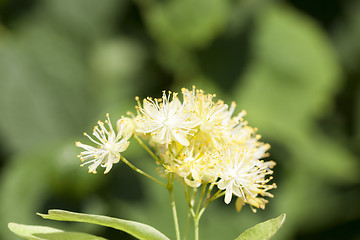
(198, 139)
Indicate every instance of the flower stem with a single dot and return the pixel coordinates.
(170, 187)
(141, 172)
(187, 225)
(198, 214)
(201, 199)
(196, 228)
(148, 150)
(173, 207)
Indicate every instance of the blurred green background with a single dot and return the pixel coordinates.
(293, 65)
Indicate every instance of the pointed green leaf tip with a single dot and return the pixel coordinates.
(138, 230)
(48, 233)
(264, 230)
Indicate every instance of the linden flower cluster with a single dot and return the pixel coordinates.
(196, 138)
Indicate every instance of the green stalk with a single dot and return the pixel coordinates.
(170, 188)
(197, 215)
(199, 212)
(148, 149)
(216, 195)
(176, 223)
(196, 228)
(187, 225)
(141, 172)
(203, 190)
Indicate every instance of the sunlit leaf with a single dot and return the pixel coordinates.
(139, 230)
(48, 233)
(264, 230)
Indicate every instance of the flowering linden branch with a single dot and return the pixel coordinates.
(198, 141)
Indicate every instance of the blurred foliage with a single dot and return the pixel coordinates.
(293, 67)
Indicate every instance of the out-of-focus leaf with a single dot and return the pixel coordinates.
(181, 26)
(89, 19)
(241, 13)
(347, 41)
(48, 233)
(187, 23)
(33, 178)
(357, 119)
(117, 65)
(138, 230)
(294, 58)
(264, 230)
(23, 185)
(117, 59)
(347, 36)
(293, 61)
(289, 84)
(41, 89)
(44, 70)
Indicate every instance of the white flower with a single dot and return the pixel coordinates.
(109, 145)
(243, 175)
(165, 120)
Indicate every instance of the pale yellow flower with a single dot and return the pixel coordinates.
(212, 117)
(166, 120)
(109, 145)
(194, 164)
(243, 175)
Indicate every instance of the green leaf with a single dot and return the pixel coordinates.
(70, 16)
(139, 230)
(264, 230)
(48, 233)
(51, 89)
(59, 174)
(288, 86)
(345, 31)
(187, 23)
(275, 75)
